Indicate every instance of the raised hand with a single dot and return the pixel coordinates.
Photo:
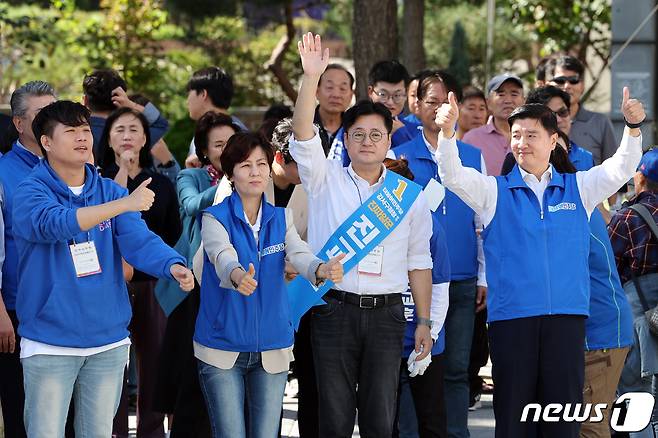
(141, 199)
(447, 115)
(120, 98)
(632, 109)
(314, 59)
(128, 160)
(246, 284)
(332, 270)
(183, 276)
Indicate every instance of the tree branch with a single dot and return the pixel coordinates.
(274, 64)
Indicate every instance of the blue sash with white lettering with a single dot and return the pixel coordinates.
(366, 228)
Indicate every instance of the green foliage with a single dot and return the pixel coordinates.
(460, 62)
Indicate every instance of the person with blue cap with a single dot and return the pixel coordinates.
(534, 219)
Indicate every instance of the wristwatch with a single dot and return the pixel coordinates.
(632, 125)
(424, 321)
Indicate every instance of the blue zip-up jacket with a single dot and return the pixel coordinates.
(457, 218)
(610, 324)
(440, 274)
(537, 259)
(230, 321)
(580, 158)
(15, 166)
(53, 305)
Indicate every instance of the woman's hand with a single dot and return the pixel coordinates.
(244, 282)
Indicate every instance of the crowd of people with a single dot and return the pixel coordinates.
(379, 251)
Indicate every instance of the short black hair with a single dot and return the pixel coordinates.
(388, 71)
(544, 94)
(540, 70)
(471, 92)
(535, 111)
(277, 111)
(240, 146)
(205, 124)
(107, 157)
(438, 76)
(565, 62)
(366, 107)
(62, 112)
(336, 66)
(217, 82)
(98, 87)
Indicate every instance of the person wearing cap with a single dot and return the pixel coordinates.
(534, 219)
(504, 94)
(636, 255)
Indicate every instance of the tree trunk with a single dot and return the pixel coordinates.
(374, 37)
(413, 52)
(274, 64)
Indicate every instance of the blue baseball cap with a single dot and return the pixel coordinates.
(649, 165)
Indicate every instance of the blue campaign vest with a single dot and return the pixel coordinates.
(440, 274)
(581, 158)
(610, 324)
(537, 263)
(230, 321)
(15, 166)
(456, 217)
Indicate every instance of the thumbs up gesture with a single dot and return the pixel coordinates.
(141, 199)
(332, 270)
(447, 115)
(246, 284)
(632, 109)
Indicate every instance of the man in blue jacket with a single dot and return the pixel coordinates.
(72, 228)
(467, 282)
(15, 166)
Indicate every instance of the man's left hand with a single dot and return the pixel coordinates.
(423, 338)
(481, 298)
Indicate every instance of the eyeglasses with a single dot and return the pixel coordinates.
(562, 112)
(360, 136)
(385, 96)
(561, 80)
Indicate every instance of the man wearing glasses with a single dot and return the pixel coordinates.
(504, 95)
(593, 131)
(387, 84)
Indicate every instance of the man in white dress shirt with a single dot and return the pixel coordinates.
(357, 336)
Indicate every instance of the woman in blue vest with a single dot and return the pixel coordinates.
(178, 390)
(536, 243)
(609, 328)
(244, 335)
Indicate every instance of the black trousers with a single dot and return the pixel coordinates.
(428, 399)
(12, 395)
(353, 348)
(479, 353)
(304, 369)
(536, 360)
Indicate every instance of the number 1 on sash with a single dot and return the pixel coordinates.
(399, 190)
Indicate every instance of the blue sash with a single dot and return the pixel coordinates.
(366, 228)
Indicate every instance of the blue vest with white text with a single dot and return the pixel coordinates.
(456, 217)
(537, 261)
(230, 321)
(15, 166)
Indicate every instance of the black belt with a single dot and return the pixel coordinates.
(366, 301)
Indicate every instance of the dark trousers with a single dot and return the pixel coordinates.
(304, 369)
(428, 400)
(479, 353)
(11, 386)
(357, 347)
(178, 391)
(147, 331)
(536, 360)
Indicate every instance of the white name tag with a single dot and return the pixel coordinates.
(434, 192)
(372, 263)
(85, 259)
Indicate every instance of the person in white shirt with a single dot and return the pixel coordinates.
(534, 219)
(357, 336)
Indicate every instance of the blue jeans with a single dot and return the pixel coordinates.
(93, 381)
(245, 387)
(459, 336)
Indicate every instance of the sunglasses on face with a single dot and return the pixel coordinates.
(562, 112)
(561, 80)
